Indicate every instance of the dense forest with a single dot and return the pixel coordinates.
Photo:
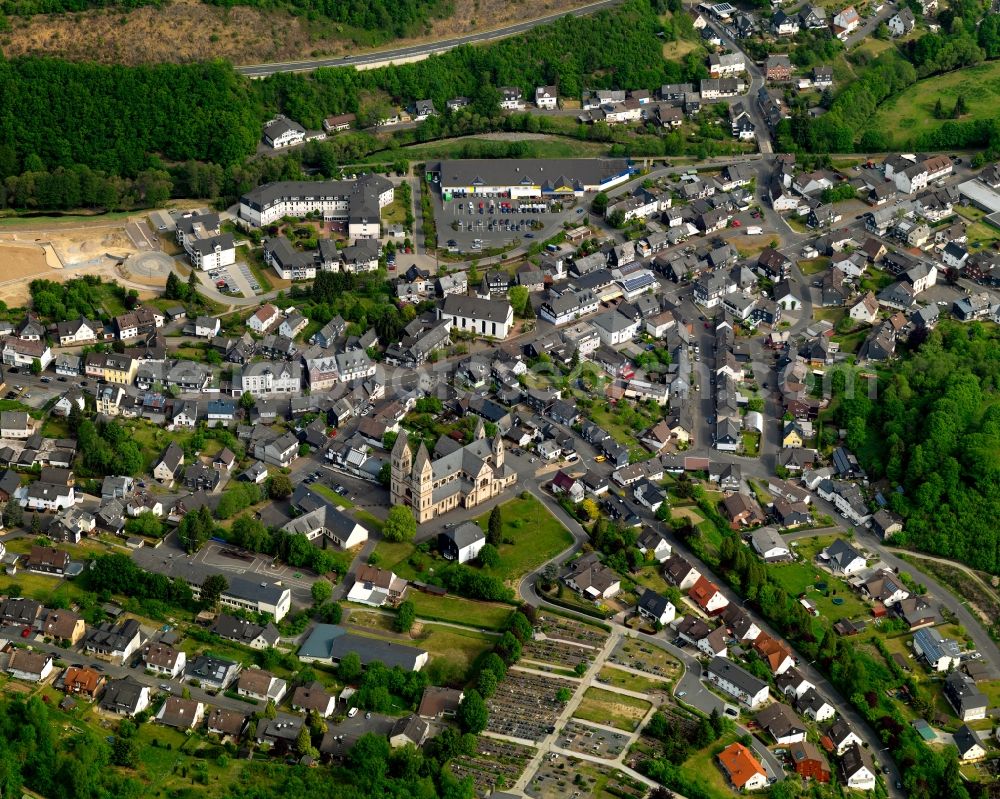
(59, 114)
(934, 430)
(25, 8)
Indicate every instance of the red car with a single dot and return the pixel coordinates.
(25, 632)
(736, 223)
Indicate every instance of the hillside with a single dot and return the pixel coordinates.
(188, 30)
(934, 430)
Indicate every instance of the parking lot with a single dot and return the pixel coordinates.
(235, 279)
(525, 705)
(471, 224)
(579, 737)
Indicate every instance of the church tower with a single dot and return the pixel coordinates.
(480, 429)
(422, 481)
(402, 463)
(498, 451)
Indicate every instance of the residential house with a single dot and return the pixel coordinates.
(902, 22)
(314, 698)
(773, 652)
(211, 672)
(114, 642)
(970, 746)
(808, 762)
(742, 510)
(63, 626)
(247, 633)
(408, 731)
(374, 586)
(47, 560)
(261, 685)
(30, 666)
(937, 652)
(181, 713)
(842, 558)
(655, 607)
(857, 769)
(845, 23)
(678, 572)
(707, 596)
(782, 724)
(769, 544)
(592, 578)
(814, 706)
(463, 543)
(164, 660)
(743, 769)
(737, 682)
(167, 467)
(969, 703)
(125, 697)
(83, 681)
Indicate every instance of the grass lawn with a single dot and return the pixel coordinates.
(535, 534)
(911, 112)
(978, 232)
(459, 648)
(619, 431)
(394, 213)
(672, 51)
(815, 265)
(467, 147)
(487, 615)
(368, 519)
(650, 578)
(832, 315)
(852, 341)
(876, 280)
(799, 578)
(703, 770)
(630, 681)
(751, 443)
(612, 709)
(332, 495)
(37, 586)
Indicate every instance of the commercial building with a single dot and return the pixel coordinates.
(524, 178)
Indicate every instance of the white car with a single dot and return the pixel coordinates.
(352, 713)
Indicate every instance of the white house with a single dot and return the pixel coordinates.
(282, 132)
(656, 608)
(547, 97)
(263, 318)
(614, 328)
(30, 666)
(206, 326)
(492, 318)
(511, 98)
(843, 558)
(163, 660)
(865, 310)
(846, 22)
(769, 545)
(857, 768)
(462, 543)
(737, 682)
(77, 331)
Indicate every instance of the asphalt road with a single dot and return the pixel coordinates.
(419, 51)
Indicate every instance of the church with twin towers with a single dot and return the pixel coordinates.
(457, 477)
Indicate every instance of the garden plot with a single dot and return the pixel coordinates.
(612, 709)
(525, 705)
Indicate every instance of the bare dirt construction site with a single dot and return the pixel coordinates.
(61, 251)
(184, 30)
